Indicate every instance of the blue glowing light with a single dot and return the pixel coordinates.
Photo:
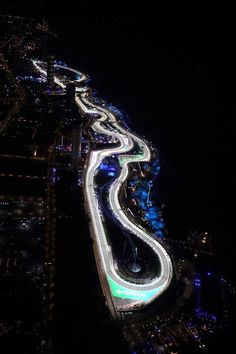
(104, 166)
(201, 313)
(160, 225)
(151, 215)
(197, 282)
(143, 205)
(154, 224)
(153, 209)
(111, 174)
(159, 233)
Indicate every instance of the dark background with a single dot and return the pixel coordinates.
(176, 80)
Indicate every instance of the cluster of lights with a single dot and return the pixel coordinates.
(31, 78)
(4, 203)
(197, 282)
(111, 170)
(206, 315)
(152, 213)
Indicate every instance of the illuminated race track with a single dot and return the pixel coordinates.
(126, 294)
(39, 65)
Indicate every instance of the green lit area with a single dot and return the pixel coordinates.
(130, 158)
(125, 293)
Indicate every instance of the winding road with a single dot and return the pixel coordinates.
(126, 294)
